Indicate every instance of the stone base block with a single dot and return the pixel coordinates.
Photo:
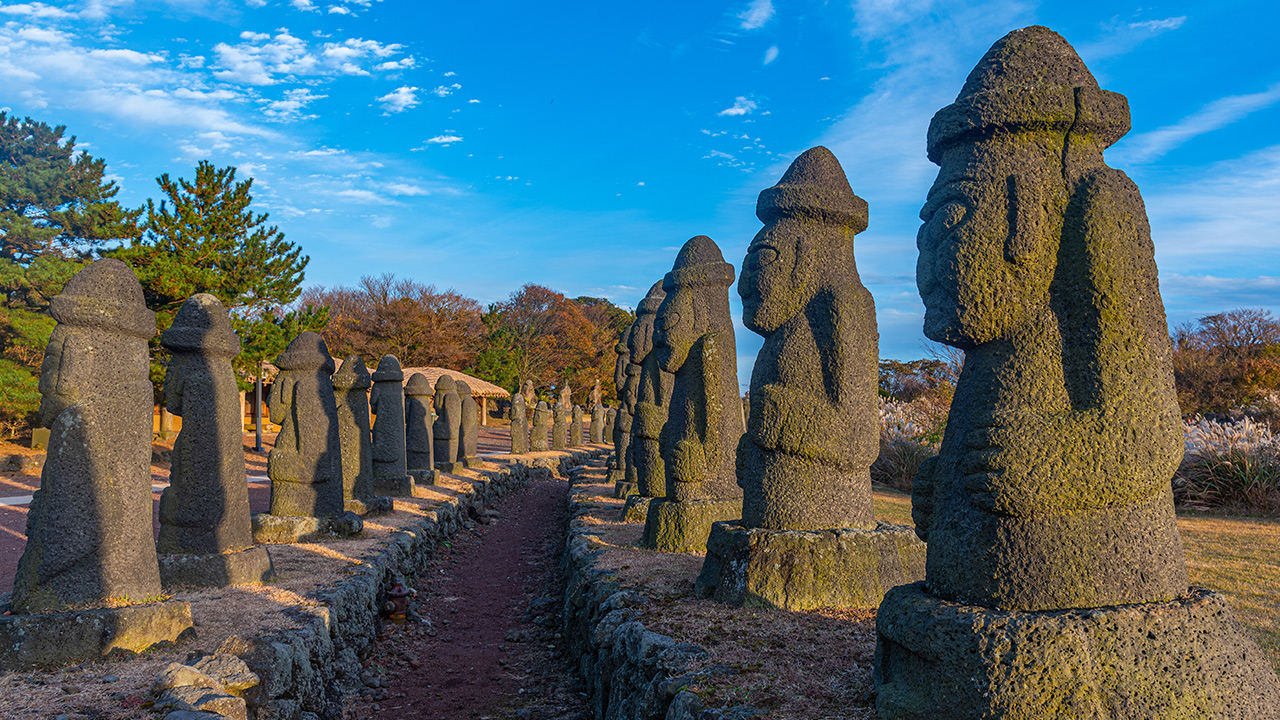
(637, 509)
(616, 476)
(623, 489)
(472, 462)
(808, 569)
(54, 639)
(394, 486)
(237, 568)
(1187, 658)
(672, 526)
(286, 529)
(424, 476)
(370, 506)
(453, 468)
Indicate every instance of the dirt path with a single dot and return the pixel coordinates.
(490, 643)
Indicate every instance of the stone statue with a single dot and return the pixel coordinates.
(610, 420)
(530, 399)
(305, 466)
(653, 384)
(419, 443)
(89, 525)
(351, 391)
(566, 395)
(541, 426)
(804, 462)
(468, 444)
(560, 425)
(390, 437)
(693, 339)
(595, 397)
(448, 426)
(575, 426)
(519, 425)
(1052, 489)
(622, 423)
(597, 424)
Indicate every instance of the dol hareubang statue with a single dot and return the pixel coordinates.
(1048, 512)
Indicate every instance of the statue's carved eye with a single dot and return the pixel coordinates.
(952, 214)
(765, 256)
(668, 321)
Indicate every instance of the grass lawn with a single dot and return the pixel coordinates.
(1237, 556)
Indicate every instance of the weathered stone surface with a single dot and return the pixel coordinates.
(468, 452)
(530, 399)
(746, 409)
(560, 426)
(541, 427)
(1048, 513)
(89, 525)
(610, 421)
(229, 671)
(1186, 658)
(636, 510)
(420, 444)
(808, 569)
(390, 427)
(684, 525)
(282, 529)
(575, 427)
(624, 489)
(54, 639)
(519, 425)
(448, 426)
(250, 565)
(693, 338)
(595, 397)
(804, 463)
(596, 431)
(305, 466)
(177, 675)
(205, 509)
(653, 385)
(626, 404)
(351, 391)
(192, 698)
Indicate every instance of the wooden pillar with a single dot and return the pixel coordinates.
(484, 411)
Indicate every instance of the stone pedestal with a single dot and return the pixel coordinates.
(636, 509)
(423, 476)
(622, 488)
(472, 462)
(370, 506)
(674, 526)
(807, 569)
(1188, 658)
(453, 468)
(54, 639)
(396, 486)
(216, 570)
(285, 529)
(616, 476)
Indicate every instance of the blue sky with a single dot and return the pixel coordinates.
(481, 146)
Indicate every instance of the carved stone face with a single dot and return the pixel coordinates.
(675, 328)
(778, 273)
(57, 383)
(974, 286)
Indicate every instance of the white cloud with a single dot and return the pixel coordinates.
(640, 184)
(741, 106)
(191, 61)
(444, 140)
(339, 10)
(450, 74)
(403, 63)
(256, 3)
(1152, 145)
(304, 5)
(1119, 37)
(399, 100)
(445, 90)
(290, 107)
(472, 101)
(266, 60)
(35, 10)
(757, 14)
(406, 189)
(771, 54)
(365, 196)
(1172, 23)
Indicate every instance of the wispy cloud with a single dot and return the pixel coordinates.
(263, 59)
(1152, 145)
(771, 54)
(290, 107)
(444, 140)
(757, 14)
(399, 100)
(741, 106)
(1120, 37)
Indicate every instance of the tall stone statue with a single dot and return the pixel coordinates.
(305, 466)
(468, 445)
(351, 385)
(610, 420)
(693, 339)
(653, 384)
(530, 399)
(597, 424)
(419, 442)
(575, 426)
(390, 438)
(448, 426)
(622, 424)
(519, 425)
(206, 538)
(560, 425)
(541, 426)
(595, 397)
(808, 536)
(1048, 512)
(89, 536)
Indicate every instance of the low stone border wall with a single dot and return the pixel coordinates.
(306, 673)
(631, 673)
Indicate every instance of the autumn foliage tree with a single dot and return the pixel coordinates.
(1227, 360)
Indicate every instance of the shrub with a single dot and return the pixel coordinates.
(1231, 465)
(910, 433)
(19, 397)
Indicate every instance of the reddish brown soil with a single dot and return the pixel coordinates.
(489, 643)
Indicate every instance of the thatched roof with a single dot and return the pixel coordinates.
(479, 388)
